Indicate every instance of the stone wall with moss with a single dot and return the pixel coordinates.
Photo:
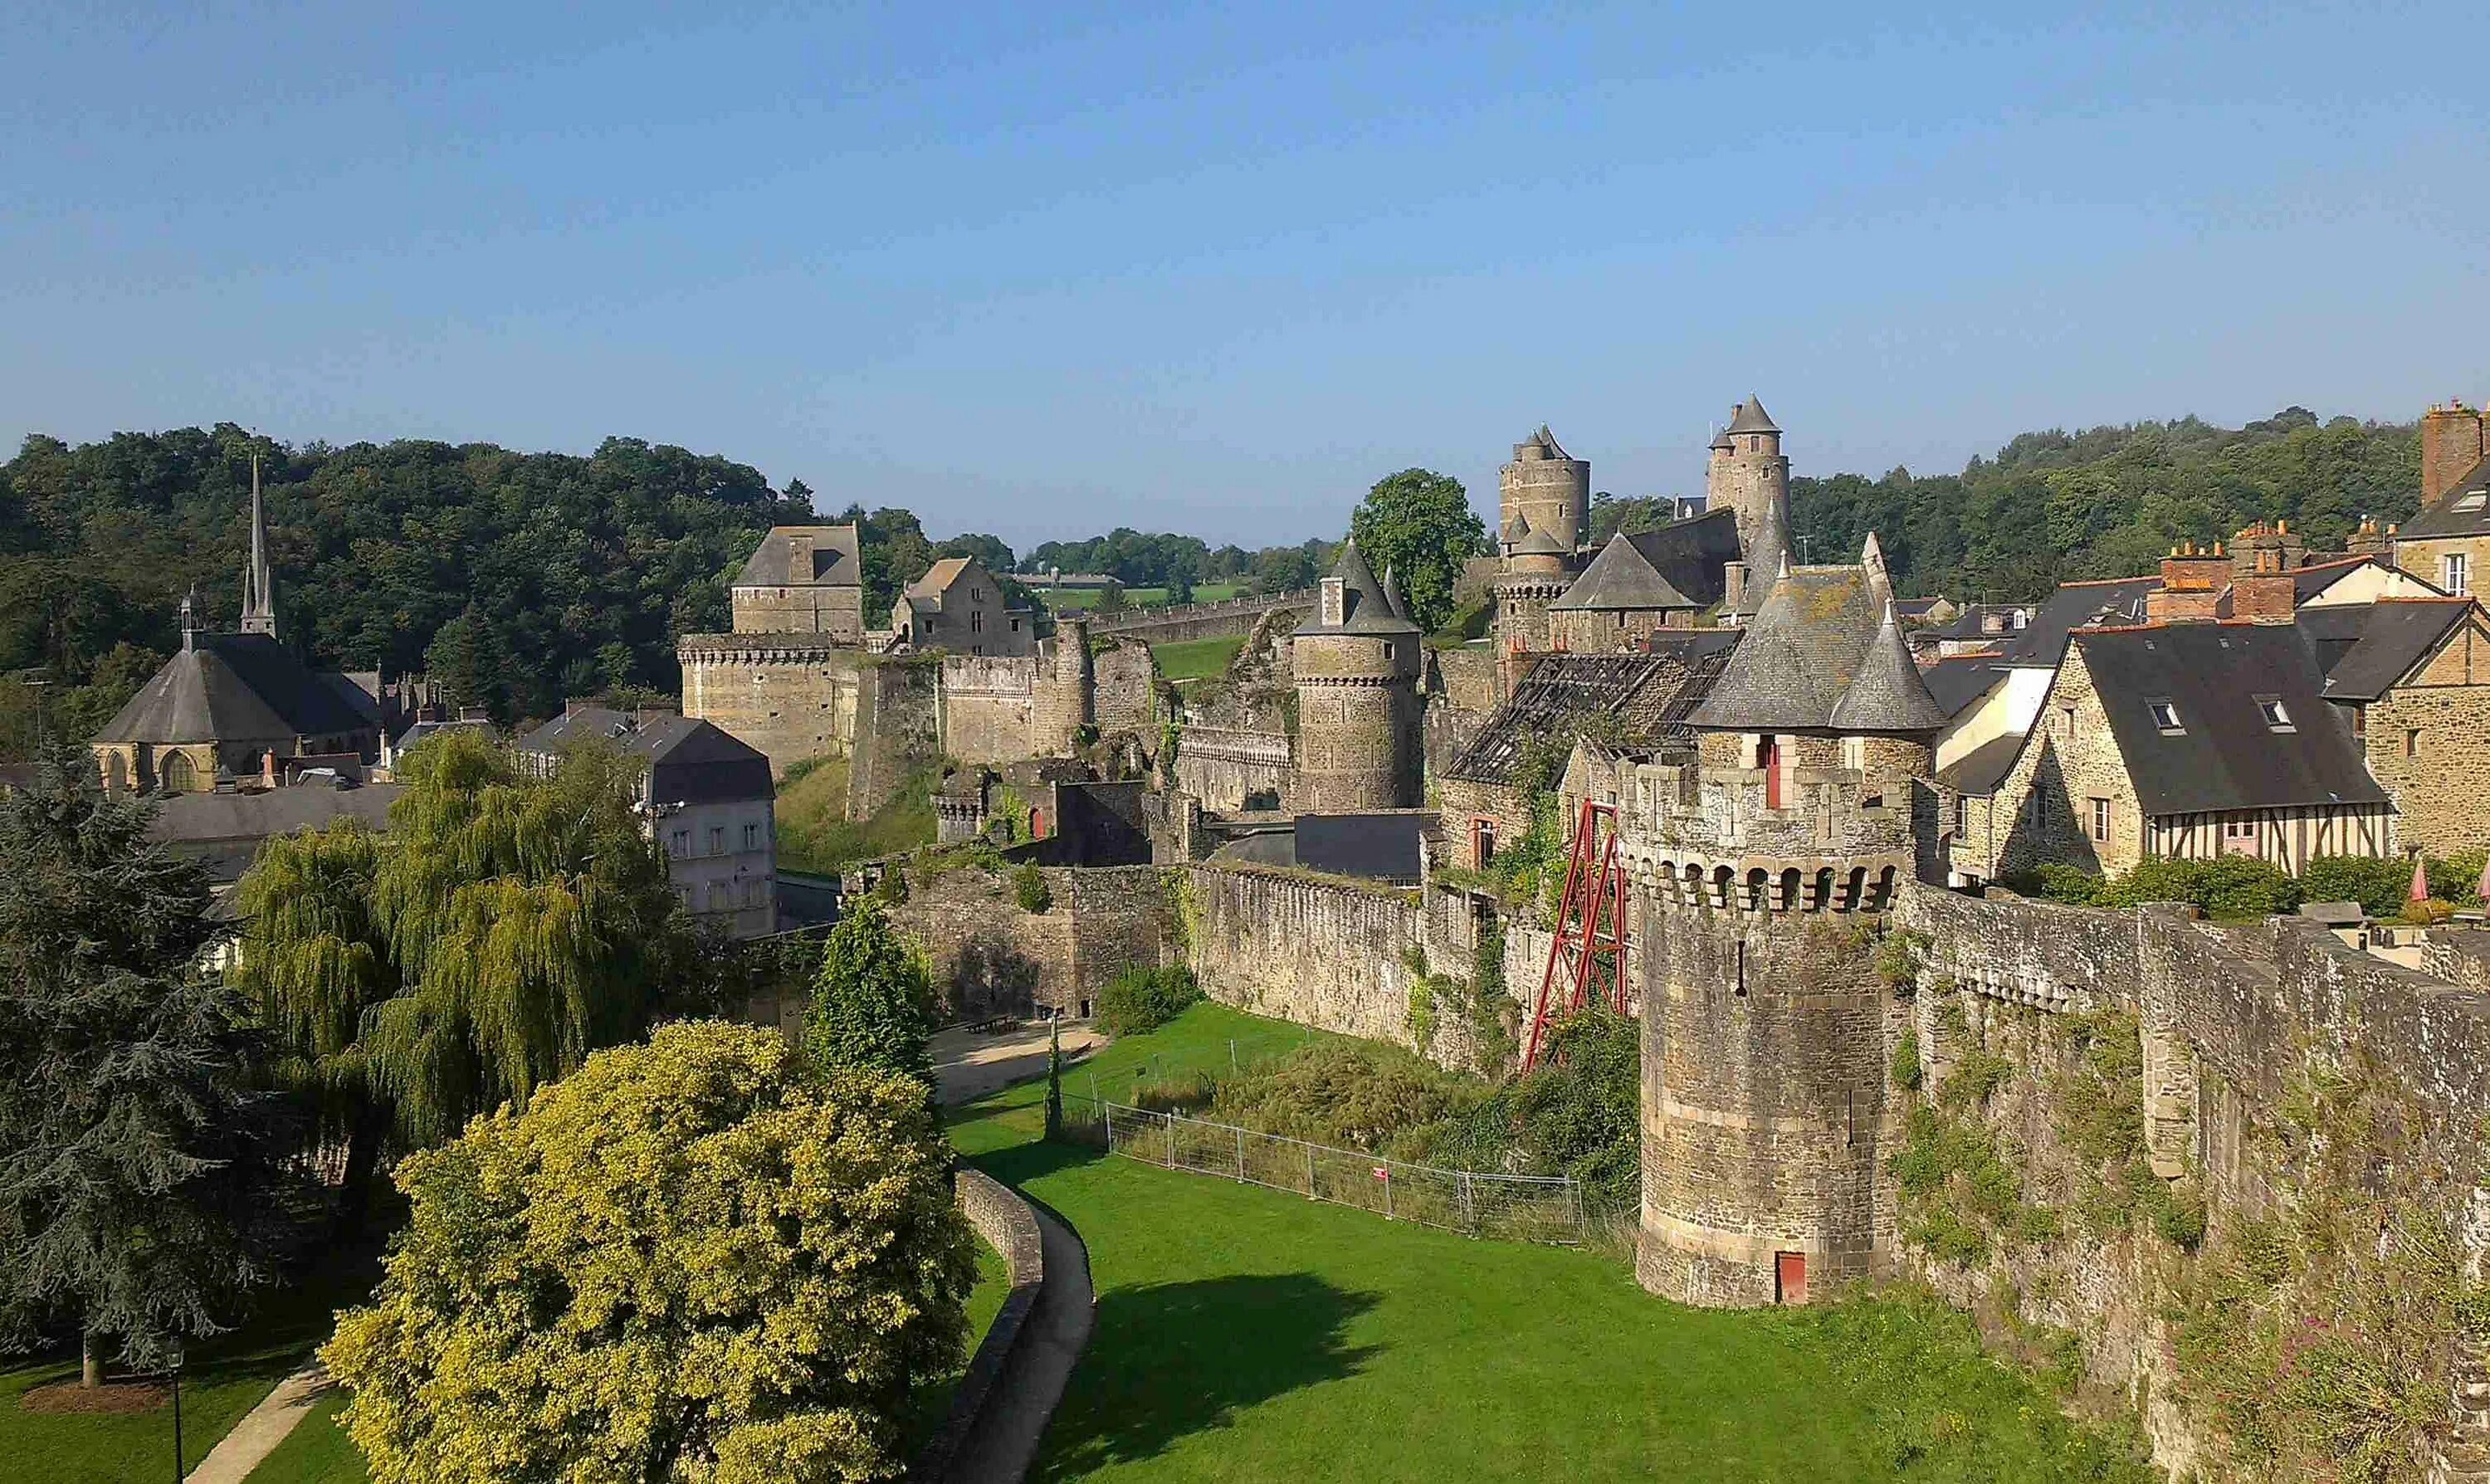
(2224, 1181)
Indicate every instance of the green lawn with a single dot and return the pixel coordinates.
(1245, 1334)
(225, 1377)
(1188, 660)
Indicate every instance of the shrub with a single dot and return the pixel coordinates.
(2428, 914)
(1358, 1095)
(1140, 1000)
(2068, 884)
(1028, 888)
(1906, 1071)
(683, 1260)
(2377, 885)
(2226, 886)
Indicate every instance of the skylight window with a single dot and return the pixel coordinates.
(2275, 718)
(2472, 499)
(2165, 715)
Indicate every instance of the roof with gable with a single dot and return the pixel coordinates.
(939, 577)
(235, 689)
(1823, 633)
(2079, 605)
(2313, 579)
(690, 760)
(2465, 509)
(1979, 771)
(1957, 681)
(1365, 609)
(1683, 564)
(2224, 754)
(1536, 541)
(834, 561)
(1751, 418)
(2396, 634)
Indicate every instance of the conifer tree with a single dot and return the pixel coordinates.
(873, 1002)
(138, 1175)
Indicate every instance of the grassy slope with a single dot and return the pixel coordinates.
(224, 1378)
(815, 834)
(1071, 599)
(318, 1451)
(1244, 1334)
(1188, 660)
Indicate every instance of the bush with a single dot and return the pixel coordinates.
(2378, 885)
(1140, 1000)
(1028, 888)
(1355, 1094)
(2226, 886)
(2428, 914)
(1906, 1071)
(2068, 884)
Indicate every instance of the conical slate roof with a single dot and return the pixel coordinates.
(1364, 607)
(1622, 577)
(1888, 695)
(1822, 653)
(1768, 552)
(1544, 441)
(1537, 542)
(1749, 417)
(1392, 598)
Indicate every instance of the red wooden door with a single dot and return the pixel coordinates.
(1768, 757)
(1790, 1277)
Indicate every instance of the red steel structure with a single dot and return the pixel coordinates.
(1590, 943)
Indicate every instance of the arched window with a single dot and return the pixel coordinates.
(116, 773)
(180, 774)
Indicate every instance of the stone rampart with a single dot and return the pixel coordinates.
(1232, 770)
(1200, 620)
(991, 958)
(1003, 1218)
(990, 707)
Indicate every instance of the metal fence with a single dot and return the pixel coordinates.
(1523, 1207)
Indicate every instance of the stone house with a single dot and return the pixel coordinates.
(2186, 740)
(803, 579)
(2448, 541)
(958, 606)
(706, 799)
(2414, 688)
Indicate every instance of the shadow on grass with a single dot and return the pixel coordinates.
(1171, 1359)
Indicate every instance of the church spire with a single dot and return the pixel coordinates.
(258, 591)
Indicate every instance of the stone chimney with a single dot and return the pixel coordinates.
(1733, 595)
(2453, 440)
(2192, 580)
(2268, 548)
(2371, 542)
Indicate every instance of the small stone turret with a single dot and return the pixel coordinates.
(1535, 573)
(1067, 694)
(1548, 490)
(1748, 473)
(1356, 664)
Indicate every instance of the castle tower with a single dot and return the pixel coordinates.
(1356, 664)
(1548, 490)
(1767, 1032)
(1748, 473)
(1534, 573)
(258, 589)
(1067, 691)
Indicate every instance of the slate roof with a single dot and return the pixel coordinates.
(2316, 577)
(2224, 756)
(691, 761)
(235, 689)
(2334, 630)
(2398, 634)
(1534, 541)
(1650, 693)
(1749, 417)
(199, 818)
(2445, 519)
(1690, 558)
(1381, 846)
(835, 560)
(2079, 605)
(1365, 609)
(1979, 771)
(1823, 632)
(1957, 681)
(939, 577)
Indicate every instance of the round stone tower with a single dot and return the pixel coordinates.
(1548, 490)
(1534, 573)
(1356, 665)
(1067, 695)
(1768, 1127)
(1748, 473)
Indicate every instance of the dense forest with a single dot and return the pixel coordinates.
(520, 578)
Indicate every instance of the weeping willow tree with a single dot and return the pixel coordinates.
(506, 926)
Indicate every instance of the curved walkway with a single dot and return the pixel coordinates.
(262, 1427)
(1003, 1443)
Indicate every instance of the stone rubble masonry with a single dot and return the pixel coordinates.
(2227, 1017)
(1359, 744)
(991, 958)
(1230, 769)
(1003, 1218)
(1216, 620)
(1752, 477)
(2428, 743)
(1553, 494)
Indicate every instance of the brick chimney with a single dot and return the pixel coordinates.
(2268, 548)
(2453, 440)
(2192, 580)
(2264, 598)
(2371, 542)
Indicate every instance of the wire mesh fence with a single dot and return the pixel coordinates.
(1520, 1208)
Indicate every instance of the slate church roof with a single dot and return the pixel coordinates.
(238, 688)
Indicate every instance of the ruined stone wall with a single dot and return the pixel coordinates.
(989, 708)
(1608, 630)
(1127, 688)
(897, 728)
(1466, 801)
(991, 958)
(1202, 621)
(2429, 745)
(1232, 770)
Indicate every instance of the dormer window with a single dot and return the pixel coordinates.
(2165, 716)
(2275, 716)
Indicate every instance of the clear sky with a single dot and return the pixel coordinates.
(1043, 269)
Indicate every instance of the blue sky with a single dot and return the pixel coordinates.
(1044, 270)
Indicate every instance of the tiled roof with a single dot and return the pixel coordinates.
(939, 577)
(691, 761)
(2225, 753)
(1979, 771)
(1650, 694)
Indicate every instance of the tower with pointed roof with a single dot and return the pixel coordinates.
(258, 589)
(1356, 662)
(1767, 1032)
(1547, 490)
(1748, 473)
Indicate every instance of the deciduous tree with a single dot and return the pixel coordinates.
(1419, 523)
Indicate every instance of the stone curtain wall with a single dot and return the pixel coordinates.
(1128, 690)
(897, 723)
(791, 696)
(991, 958)
(989, 708)
(1225, 767)
(1202, 620)
(2223, 1021)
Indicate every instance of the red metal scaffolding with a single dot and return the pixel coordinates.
(1590, 942)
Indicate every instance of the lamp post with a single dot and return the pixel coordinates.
(177, 1410)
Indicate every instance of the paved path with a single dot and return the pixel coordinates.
(999, 1448)
(262, 1427)
(969, 1065)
